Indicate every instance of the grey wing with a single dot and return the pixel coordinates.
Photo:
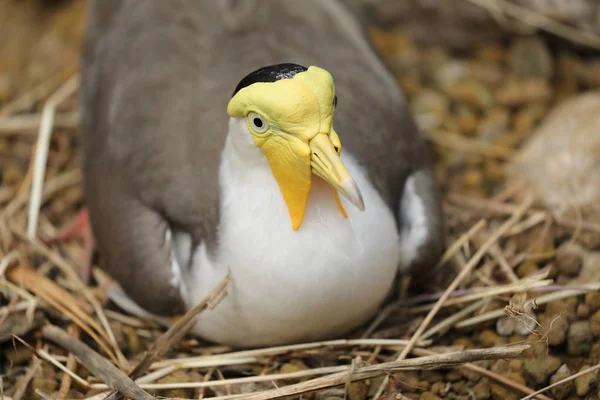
(143, 170)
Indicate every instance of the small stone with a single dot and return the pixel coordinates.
(583, 311)
(458, 386)
(451, 73)
(473, 93)
(580, 338)
(408, 380)
(595, 324)
(294, 366)
(568, 179)
(568, 262)
(594, 356)
(358, 390)
(464, 343)
(537, 348)
(592, 300)
(567, 309)
(501, 367)
(505, 326)
(527, 268)
(438, 388)
(482, 391)
(529, 57)
(541, 368)
(500, 392)
(515, 365)
(556, 329)
(586, 383)
(527, 325)
(488, 338)
(429, 396)
(561, 392)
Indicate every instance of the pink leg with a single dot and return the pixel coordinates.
(80, 228)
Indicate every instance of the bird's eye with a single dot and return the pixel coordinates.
(257, 123)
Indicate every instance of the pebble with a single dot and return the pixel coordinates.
(453, 376)
(537, 347)
(429, 396)
(482, 391)
(358, 390)
(564, 307)
(580, 338)
(527, 268)
(592, 300)
(293, 366)
(556, 328)
(500, 392)
(471, 92)
(568, 261)
(561, 392)
(408, 380)
(586, 383)
(541, 368)
(583, 311)
(488, 338)
(458, 387)
(568, 178)
(529, 57)
(438, 388)
(594, 356)
(451, 73)
(595, 324)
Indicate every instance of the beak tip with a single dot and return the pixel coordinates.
(353, 194)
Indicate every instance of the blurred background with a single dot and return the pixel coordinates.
(505, 92)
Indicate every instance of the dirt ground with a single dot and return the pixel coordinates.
(527, 274)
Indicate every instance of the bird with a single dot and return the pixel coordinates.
(264, 141)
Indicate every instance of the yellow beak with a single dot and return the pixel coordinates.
(326, 163)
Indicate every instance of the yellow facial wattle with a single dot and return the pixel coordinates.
(291, 121)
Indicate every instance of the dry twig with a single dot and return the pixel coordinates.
(464, 272)
(96, 364)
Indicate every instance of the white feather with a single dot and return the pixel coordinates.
(414, 229)
(287, 286)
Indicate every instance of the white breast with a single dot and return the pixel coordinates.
(289, 286)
